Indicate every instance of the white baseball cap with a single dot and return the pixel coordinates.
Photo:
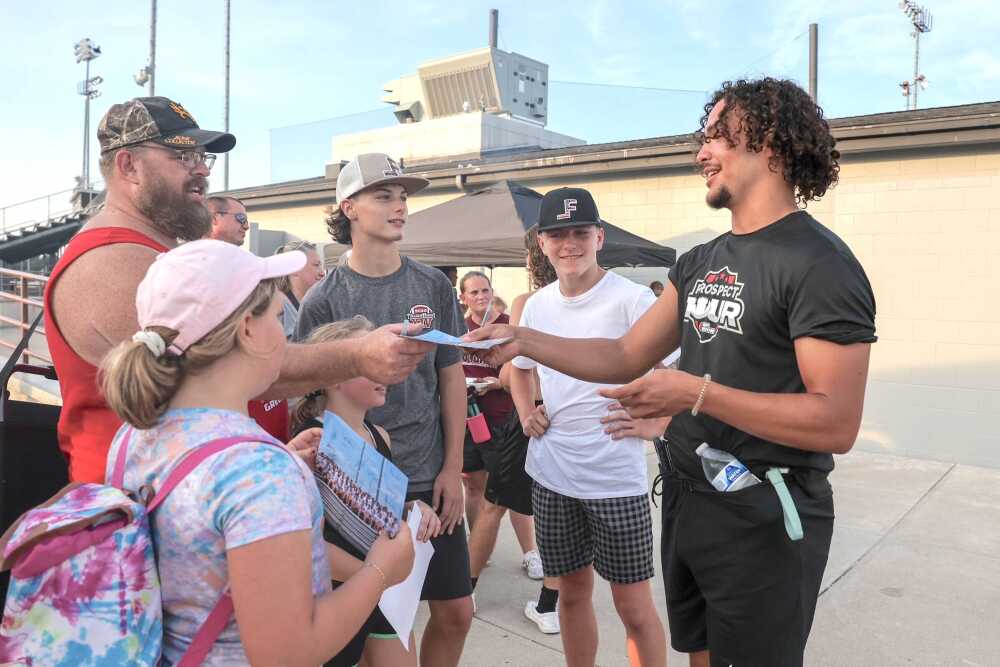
(370, 169)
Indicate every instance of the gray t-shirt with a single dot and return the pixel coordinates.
(412, 412)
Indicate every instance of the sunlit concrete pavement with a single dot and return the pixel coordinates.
(913, 576)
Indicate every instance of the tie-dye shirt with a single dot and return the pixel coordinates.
(246, 493)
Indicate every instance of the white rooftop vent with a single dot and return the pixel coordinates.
(486, 79)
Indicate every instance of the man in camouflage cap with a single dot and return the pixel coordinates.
(155, 161)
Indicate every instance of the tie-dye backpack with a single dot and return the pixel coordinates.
(84, 587)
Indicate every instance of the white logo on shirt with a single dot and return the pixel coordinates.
(714, 304)
(422, 316)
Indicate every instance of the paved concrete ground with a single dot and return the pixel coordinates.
(913, 577)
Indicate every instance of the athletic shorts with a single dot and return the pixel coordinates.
(508, 485)
(613, 534)
(736, 585)
(448, 575)
(478, 456)
(375, 626)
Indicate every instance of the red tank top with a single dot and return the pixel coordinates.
(86, 423)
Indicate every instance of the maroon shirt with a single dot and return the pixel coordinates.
(497, 404)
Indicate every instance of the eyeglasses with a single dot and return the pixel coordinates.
(238, 217)
(190, 159)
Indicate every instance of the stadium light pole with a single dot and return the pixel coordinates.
(225, 157)
(148, 73)
(85, 51)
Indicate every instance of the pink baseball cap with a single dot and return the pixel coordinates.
(193, 288)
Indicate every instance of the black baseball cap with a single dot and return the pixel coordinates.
(567, 207)
(161, 121)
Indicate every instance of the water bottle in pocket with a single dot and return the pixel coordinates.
(723, 470)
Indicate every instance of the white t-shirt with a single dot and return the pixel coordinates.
(575, 457)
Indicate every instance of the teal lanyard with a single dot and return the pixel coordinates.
(793, 525)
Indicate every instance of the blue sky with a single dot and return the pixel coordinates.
(297, 62)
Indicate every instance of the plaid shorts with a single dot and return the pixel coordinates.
(615, 534)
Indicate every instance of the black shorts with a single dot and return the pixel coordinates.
(376, 624)
(508, 484)
(478, 456)
(735, 583)
(448, 575)
(613, 534)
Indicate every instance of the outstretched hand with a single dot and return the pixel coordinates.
(662, 393)
(499, 354)
(387, 358)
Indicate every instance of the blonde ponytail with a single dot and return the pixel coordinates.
(137, 384)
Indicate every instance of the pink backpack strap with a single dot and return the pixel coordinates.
(209, 631)
(118, 474)
(199, 454)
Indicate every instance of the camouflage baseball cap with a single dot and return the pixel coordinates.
(161, 121)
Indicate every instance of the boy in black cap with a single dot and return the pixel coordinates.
(589, 498)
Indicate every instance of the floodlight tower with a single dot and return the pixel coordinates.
(85, 51)
(148, 73)
(922, 22)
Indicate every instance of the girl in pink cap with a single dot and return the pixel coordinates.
(249, 518)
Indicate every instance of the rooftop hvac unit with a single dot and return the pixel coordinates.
(487, 80)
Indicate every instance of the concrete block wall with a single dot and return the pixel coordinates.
(926, 227)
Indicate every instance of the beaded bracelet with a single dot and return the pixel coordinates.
(701, 395)
(380, 572)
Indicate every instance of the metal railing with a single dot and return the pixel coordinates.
(39, 209)
(20, 302)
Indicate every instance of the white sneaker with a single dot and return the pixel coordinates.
(547, 622)
(532, 562)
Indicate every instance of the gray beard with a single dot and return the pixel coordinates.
(172, 212)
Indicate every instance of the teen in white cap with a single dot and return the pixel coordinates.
(249, 518)
(425, 414)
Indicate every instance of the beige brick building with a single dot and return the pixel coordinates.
(918, 202)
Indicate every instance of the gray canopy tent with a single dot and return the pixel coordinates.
(486, 228)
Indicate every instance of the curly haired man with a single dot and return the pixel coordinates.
(775, 321)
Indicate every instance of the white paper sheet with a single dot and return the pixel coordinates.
(399, 603)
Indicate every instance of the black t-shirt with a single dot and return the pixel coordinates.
(742, 302)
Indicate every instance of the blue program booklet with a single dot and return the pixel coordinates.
(441, 338)
(363, 492)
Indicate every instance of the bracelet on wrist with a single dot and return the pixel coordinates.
(701, 395)
(380, 573)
